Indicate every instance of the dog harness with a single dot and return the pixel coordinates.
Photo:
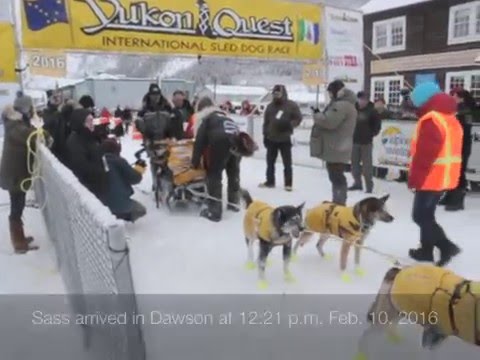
(330, 218)
(439, 297)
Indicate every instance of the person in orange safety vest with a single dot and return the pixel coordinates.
(436, 156)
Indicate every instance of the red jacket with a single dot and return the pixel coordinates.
(429, 141)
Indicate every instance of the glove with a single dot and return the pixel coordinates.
(265, 142)
(140, 166)
(139, 169)
(315, 110)
(141, 162)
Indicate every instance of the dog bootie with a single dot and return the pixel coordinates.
(360, 271)
(346, 278)
(262, 284)
(289, 278)
(250, 265)
(360, 356)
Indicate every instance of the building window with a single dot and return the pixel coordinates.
(387, 88)
(389, 35)
(468, 80)
(464, 23)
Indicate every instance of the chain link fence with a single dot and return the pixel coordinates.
(92, 256)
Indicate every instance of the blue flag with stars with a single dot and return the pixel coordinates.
(43, 13)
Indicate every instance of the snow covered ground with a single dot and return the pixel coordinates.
(35, 272)
(180, 253)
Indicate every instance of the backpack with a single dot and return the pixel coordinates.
(244, 145)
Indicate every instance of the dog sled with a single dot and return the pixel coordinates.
(173, 178)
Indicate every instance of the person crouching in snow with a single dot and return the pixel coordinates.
(14, 169)
(214, 139)
(120, 177)
(436, 157)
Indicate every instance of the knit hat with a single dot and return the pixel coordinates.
(424, 92)
(154, 89)
(23, 104)
(111, 146)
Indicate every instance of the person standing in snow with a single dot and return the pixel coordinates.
(435, 166)
(331, 139)
(281, 117)
(14, 167)
(154, 101)
(214, 140)
(454, 200)
(85, 155)
(367, 127)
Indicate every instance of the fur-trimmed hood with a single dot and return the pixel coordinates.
(10, 114)
(203, 114)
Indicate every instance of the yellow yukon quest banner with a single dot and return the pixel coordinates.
(231, 28)
(8, 53)
(47, 63)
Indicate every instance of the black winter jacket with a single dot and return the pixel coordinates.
(217, 132)
(280, 118)
(85, 157)
(368, 125)
(465, 116)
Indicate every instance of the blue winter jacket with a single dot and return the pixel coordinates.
(121, 177)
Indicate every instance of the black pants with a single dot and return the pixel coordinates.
(431, 233)
(17, 204)
(336, 174)
(463, 184)
(285, 149)
(221, 159)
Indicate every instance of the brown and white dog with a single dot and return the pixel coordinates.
(271, 227)
(442, 302)
(351, 224)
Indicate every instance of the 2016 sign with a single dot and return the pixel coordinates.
(54, 65)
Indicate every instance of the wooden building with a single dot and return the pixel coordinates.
(428, 40)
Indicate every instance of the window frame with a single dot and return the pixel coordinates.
(466, 74)
(389, 48)
(386, 81)
(472, 36)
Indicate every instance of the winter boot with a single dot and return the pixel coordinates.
(445, 200)
(456, 201)
(207, 214)
(233, 201)
(356, 187)
(266, 185)
(448, 250)
(29, 239)
(339, 194)
(421, 255)
(19, 242)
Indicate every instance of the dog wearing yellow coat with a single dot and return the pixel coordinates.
(351, 224)
(271, 227)
(442, 302)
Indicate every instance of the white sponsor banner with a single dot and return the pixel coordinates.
(344, 47)
(392, 146)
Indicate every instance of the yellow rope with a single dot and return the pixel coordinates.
(33, 162)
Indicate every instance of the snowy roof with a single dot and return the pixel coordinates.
(374, 6)
(237, 90)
